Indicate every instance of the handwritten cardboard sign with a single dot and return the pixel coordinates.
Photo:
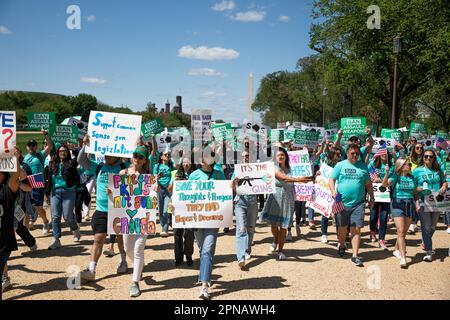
(255, 178)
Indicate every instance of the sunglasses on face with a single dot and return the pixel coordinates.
(428, 156)
(354, 153)
(408, 164)
(138, 156)
(32, 145)
(419, 148)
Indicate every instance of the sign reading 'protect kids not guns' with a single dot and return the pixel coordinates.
(133, 204)
(202, 204)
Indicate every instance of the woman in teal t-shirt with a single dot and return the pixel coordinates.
(63, 174)
(404, 202)
(429, 176)
(163, 171)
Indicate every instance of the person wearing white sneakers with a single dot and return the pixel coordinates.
(404, 202)
(63, 179)
(429, 174)
(279, 207)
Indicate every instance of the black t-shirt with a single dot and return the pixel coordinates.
(7, 234)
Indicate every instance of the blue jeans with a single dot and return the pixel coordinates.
(310, 214)
(380, 209)
(428, 222)
(447, 218)
(163, 203)
(206, 240)
(246, 211)
(62, 204)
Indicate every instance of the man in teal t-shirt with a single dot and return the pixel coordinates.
(352, 177)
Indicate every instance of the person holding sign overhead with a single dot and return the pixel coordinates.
(352, 176)
(279, 207)
(430, 176)
(404, 202)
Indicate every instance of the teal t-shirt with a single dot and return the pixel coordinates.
(351, 179)
(153, 160)
(92, 168)
(58, 181)
(447, 170)
(166, 174)
(34, 162)
(199, 174)
(403, 186)
(433, 178)
(102, 183)
(382, 169)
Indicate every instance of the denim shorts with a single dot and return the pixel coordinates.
(353, 216)
(38, 197)
(403, 208)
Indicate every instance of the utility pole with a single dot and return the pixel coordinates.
(397, 49)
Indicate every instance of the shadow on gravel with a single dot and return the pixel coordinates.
(56, 284)
(23, 268)
(71, 250)
(261, 283)
(176, 283)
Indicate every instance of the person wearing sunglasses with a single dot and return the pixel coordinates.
(404, 202)
(36, 160)
(364, 150)
(163, 172)
(353, 179)
(429, 176)
(412, 141)
(416, 156)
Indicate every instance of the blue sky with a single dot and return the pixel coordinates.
(132, 52)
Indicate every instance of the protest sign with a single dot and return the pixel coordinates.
(395, 134)
(332, 125)
(81, 125)
(8, 129)
(322, 201)
(113, 134)
(428, 143)
(258, 131)
(281, 125)
(202, 204)
(354, 126)
(442, 134)
(301, 167)
(63, 134)
(132, 206)
(41, 120)
(255, 178)
(321, 130)
(373, 129)
(222, 131)
(378, 142)
(66, 120)
(304, 191)
(166, 140)
(418, 129)
(433, 205)
(381, 193)
(151, 127)
(307, 139)
(201, 125)
(329, 134)
(276, 135)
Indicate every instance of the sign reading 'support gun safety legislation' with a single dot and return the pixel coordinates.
(41, 120)
(301, 167)
(113, 134)
(255, 178)
(62, 134)
(202, 204)
(8, 162)
(133, 204)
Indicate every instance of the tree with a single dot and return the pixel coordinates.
(83, 104)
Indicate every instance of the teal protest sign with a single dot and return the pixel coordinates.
(152, 127)
(355, 126)
(276, 135)
(222, 131)
(41, 120)
(418, 129)
(62, 134)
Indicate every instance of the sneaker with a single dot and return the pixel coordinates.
(178, 263)
(428, 257)
(382, 245)
(357, 262)
(33, 248)
(45, 229)
(31, 226)
(134, 290)
(189, 261)
(6, 283)
(397, 254)
(164, 234)
(281, 256)
(87, 275)
(204, 294)
(341, 251)
(448, 230)
(77, 236)
(298, 231)
(55, 245)
(273, 247)
(248, 256)
(109, 253)
(324, 239)
(226, 230)
(373, 238)
(403, 263)
(412, 229)
(312, 226)
(241, 263)
(289, 236)
(122, 268)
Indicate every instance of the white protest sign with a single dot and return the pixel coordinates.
(257, 129)
(322, 199)
(322, 130)
(427, 143)
(165, 140)
(113, 134)
(300, 165)
(202, 204)
(381, 193)
(378, 142)
(201, 124)
(433, 205)
(304, 191)
(81, 125)
(255, 178)
(132, 207)
(330, 133)
(8, 162)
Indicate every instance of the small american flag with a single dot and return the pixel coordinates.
(381, 151)
(441, 143)
(36, 181)
(338, 205)
(399, 145)
(374, 173)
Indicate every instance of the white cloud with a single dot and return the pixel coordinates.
(224, 5)
(213, 94)
(4, 30)
(91, 18)
(208, 72)
(249, 16)
(285, 19)
(205, 53)
(96, 81)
